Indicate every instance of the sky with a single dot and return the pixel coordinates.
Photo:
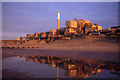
(22, 18)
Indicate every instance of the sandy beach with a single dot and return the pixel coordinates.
(78, 48)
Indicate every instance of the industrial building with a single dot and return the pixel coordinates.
(21, 38)
(72, 29)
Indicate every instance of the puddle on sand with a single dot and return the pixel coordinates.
(53, 67)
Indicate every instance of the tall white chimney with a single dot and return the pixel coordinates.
(58, 20)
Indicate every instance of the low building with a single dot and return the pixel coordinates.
(115, 29)
(96, 28)
(30, 35)
(53, 31)
(99, 28)
(37, 35)
(108, 29)
(21, 38)
(43, 34)
(18, 38)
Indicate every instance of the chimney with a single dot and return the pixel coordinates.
(58, 20)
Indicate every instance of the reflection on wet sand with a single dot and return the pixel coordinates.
(74, 68)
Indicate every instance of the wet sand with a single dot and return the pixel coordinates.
(90, 53)
(89, 47)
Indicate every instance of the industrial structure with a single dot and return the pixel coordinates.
(58, 27)
(73, 28)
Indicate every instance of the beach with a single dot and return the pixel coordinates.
(85, 48)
